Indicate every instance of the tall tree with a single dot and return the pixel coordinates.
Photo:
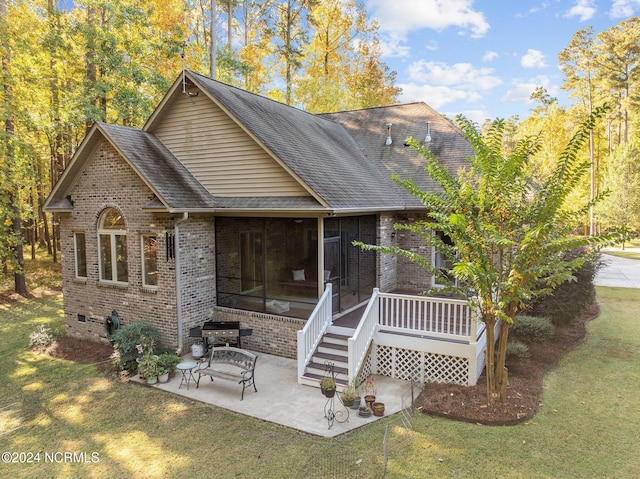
(577, 64)
(291, 34)
(10, 208)
(256, 46)
(621, 207)
(342, 61)
(618, 58)
(509, 236)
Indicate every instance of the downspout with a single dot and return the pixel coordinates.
(185, 217)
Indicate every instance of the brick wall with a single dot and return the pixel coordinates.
(387, 263)
(272, 334)
(410, 275)
(108, 181)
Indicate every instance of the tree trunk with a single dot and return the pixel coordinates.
(14, 201)
(495, 360)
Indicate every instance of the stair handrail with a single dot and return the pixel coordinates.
(311, 334)
(358, 344)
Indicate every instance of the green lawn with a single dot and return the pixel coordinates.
(631, 250)
(588, 425)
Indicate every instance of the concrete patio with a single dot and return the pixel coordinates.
(281, 400)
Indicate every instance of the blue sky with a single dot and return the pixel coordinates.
(484, 58)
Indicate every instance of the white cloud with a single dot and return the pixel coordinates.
(403, 16)
(461, 74)
(624, 8)
(533, 59)
(440, 84)
(583, 9)
(392, 46)
(521, 90)
(435, 96)
(489, 56)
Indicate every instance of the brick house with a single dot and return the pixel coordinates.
(229, 206)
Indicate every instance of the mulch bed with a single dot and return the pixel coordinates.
(82, 351)
(523, 391)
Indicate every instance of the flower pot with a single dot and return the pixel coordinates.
(356, 403)
(329, 393)
(163, 378)
(378, 409)
(347, 402)
(364, 412)
(369, 399)
(152, 380)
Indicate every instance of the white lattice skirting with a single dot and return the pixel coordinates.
(421, 366)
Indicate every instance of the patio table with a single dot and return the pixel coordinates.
(186, 368)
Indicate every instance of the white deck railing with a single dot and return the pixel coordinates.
(440, 318)
(418, 316)
(310, 336)
(358, 344)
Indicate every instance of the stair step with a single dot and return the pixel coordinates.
(334, 358)
(320, 367)
(333, 348)
(313, 379)
(340, 337)
(341, 330)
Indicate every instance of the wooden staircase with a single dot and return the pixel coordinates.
(333, 349)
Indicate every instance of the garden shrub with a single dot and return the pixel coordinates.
(131, 341)
(516, 350)
(42, 337)
(532, 329)
(571, 298)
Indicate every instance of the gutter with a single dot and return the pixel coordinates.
(185, 217)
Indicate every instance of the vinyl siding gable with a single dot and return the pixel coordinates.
(219, 153)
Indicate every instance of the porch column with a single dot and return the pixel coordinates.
(320, 256)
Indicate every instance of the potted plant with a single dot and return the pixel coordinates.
(328, 386)
(378, 408)
(149, 364)
(364, 411)
(370, 391)
(169, 360)
(350, 394)
(163, 374)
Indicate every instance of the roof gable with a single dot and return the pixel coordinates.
(318, 152)
(174, 187)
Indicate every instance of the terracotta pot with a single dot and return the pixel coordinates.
(369, 399)
(378, 409)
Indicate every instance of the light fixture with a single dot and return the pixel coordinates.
(389, 140)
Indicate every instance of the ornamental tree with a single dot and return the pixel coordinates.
(508, 234)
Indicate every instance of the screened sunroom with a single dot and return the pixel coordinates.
(281, 265)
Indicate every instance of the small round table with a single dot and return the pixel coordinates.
(186, 367)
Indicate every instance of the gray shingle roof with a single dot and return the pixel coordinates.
(320, 152)
(368, 128)
(341, 156)
(165, 174)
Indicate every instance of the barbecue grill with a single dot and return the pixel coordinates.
(219, 333)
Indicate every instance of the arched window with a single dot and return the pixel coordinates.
(112, 241)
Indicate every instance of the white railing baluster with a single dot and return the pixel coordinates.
(310, 336)
(438, 317)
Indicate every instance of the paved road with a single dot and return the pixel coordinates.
(620, 272)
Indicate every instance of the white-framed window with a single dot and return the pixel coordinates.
(80, 255)
(112, 245)
(149, 261)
